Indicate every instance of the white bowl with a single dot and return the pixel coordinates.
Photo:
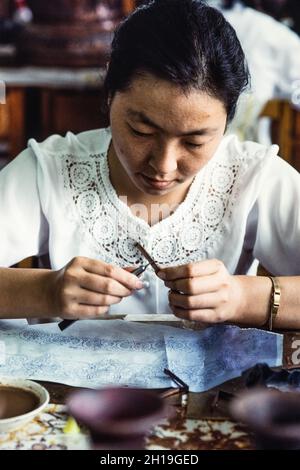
(16, 422)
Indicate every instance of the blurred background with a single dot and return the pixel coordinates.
(53, 56)
(52, 62)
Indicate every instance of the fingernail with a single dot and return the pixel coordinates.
(161, 274)
(139, 285)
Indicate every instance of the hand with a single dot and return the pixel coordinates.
(203, 291)
(85, 288)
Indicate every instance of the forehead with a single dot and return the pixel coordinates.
(164, 102)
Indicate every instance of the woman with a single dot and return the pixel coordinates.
(163, 175)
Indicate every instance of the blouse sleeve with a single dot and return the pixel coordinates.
(23, 227)
(277, 215)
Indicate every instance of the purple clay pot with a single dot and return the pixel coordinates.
(118, 418)
(273, 417)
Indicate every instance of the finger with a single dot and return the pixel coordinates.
(195, 325)
(194, 286)
(103, 285)
(194, 302)
(90, 298)
(204, 316)
(87, 312)
(201, 268)
(111, 271)
(130, 268)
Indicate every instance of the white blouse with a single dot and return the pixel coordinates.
(56, 197)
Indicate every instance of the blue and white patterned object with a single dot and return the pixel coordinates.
(99, 353)
(208, 358)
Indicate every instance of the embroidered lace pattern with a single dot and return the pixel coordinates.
(111, 230)
(97, 353)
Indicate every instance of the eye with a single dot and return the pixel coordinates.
(192, 145)
(140, 134)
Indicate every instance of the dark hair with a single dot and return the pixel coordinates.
(183, 41)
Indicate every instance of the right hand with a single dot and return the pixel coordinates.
(85, 288)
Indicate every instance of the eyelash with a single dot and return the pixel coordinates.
(142, 134)
(194, 145)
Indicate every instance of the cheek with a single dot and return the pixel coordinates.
(209, 150)
(129, 155)
(195, 162)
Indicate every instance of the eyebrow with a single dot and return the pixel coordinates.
(138, 115)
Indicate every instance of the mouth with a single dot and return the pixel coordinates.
(156, 183)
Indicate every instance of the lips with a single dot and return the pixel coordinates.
(159, 184)
(158, 181)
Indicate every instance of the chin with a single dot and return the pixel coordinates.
(147, 187)
(152, 191)
(156, 192)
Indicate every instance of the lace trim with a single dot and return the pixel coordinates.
(111, 230)
(122, 207)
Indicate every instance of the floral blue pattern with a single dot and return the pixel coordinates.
(97, 353)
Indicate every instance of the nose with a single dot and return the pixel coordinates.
(164, 159)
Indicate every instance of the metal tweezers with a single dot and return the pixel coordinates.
(66, 323)
(148, 257)
(182, 389)
(137, 272)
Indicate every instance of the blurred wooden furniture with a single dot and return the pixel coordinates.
(12, 121)
(71, 110)
(43, 101)
(285, 119)
(128, 6)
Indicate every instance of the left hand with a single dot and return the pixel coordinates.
(206, 292)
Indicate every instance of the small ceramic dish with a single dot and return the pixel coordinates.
(273, 417)
(117, 411)
(20, 401)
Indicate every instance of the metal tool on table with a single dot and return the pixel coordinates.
(182, 390)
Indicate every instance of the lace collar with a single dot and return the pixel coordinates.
(122, 207)
(109, 229)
